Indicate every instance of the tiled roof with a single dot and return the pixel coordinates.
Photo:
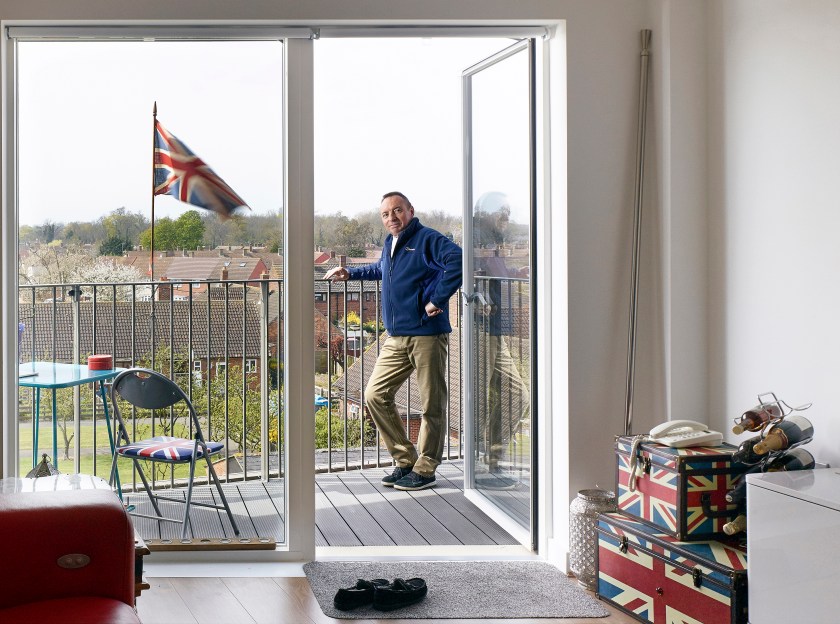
(121, 325)
(191, 269)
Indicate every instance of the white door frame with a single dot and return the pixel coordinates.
(298, 232)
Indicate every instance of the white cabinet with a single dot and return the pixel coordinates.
(793, 547)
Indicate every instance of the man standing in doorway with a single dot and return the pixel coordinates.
(420, 270)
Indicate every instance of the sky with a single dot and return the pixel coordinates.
(387, 117)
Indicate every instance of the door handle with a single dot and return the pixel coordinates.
(468, 299)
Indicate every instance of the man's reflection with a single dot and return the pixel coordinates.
(500, 317)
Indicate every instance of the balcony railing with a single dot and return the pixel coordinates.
(222, 342)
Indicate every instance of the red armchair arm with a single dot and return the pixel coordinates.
(64, 545)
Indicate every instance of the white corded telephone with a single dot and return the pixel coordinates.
(683, 433)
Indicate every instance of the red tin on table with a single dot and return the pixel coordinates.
(100, 362)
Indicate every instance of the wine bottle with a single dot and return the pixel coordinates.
(736, 526)
(738, 494)
(783, 434)
(746, 452)
(754, 419)
(794, 459)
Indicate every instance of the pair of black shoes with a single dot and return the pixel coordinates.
(385, 596)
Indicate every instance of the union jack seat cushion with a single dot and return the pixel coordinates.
(167, 448)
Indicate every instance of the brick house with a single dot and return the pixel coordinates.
(206, 335)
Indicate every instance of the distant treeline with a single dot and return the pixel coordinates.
(121, 230)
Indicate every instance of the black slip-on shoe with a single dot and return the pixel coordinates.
(399, 473)
(414, 481)
(399, 594)
(360, 594)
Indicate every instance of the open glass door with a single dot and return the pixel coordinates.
(499, 209)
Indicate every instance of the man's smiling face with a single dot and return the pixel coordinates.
(396, 214)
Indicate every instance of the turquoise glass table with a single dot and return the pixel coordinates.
(52, 376)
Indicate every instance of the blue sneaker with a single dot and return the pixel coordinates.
(399, 473)
(414, 481)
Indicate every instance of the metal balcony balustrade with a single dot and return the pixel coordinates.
(222, 341)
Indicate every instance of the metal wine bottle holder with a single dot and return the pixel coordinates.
(784, 410)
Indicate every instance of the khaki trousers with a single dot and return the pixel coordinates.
(400, 355)
(508, 400)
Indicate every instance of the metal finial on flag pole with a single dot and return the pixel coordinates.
(152, 238)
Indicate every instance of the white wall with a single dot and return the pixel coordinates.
(602, 85)
(775, 209)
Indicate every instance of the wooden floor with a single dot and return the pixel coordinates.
(276, 600)
(352, 509)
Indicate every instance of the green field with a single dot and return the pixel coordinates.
(86, 465)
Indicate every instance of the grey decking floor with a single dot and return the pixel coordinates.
(351, 509)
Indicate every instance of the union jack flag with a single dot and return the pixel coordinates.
(650, 575)
(182, 174)
(167, 448)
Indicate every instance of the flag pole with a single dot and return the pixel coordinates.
(152, 239)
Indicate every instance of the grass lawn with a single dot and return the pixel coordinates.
(86, 464)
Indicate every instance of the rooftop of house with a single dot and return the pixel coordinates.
(124, 329)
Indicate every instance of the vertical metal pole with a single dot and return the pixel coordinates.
(264, 381)
(76, 295)
(152, 238)
(637, 230)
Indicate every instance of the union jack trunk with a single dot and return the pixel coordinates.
(681, 491)
(655, 578)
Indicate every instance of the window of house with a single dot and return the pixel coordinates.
(197, 366)
(320, 297)
(250, 366)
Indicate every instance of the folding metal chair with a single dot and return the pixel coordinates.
(147, 389)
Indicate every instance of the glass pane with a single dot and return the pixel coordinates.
(387, 118)
(501, 174)
(211, 316)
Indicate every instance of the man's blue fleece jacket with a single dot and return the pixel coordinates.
(426, 266)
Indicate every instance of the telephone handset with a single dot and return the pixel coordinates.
(683, 433)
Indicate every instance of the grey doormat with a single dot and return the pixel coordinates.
(460, 589)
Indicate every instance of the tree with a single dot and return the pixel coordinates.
(233, 231)
(115, 246)
(165, 235)
(124, 225)
(27, 235)
(375, 233)
(51, 264)
(81, 233)
(189, 230)
(105, 271)
(351, 236)
(47, 231)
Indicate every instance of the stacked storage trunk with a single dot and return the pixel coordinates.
(663, 557)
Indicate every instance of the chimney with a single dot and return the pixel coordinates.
(332, 254)
(342, 261)
(224, 273)
(164, 290)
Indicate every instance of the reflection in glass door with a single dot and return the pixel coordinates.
(498, 215)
